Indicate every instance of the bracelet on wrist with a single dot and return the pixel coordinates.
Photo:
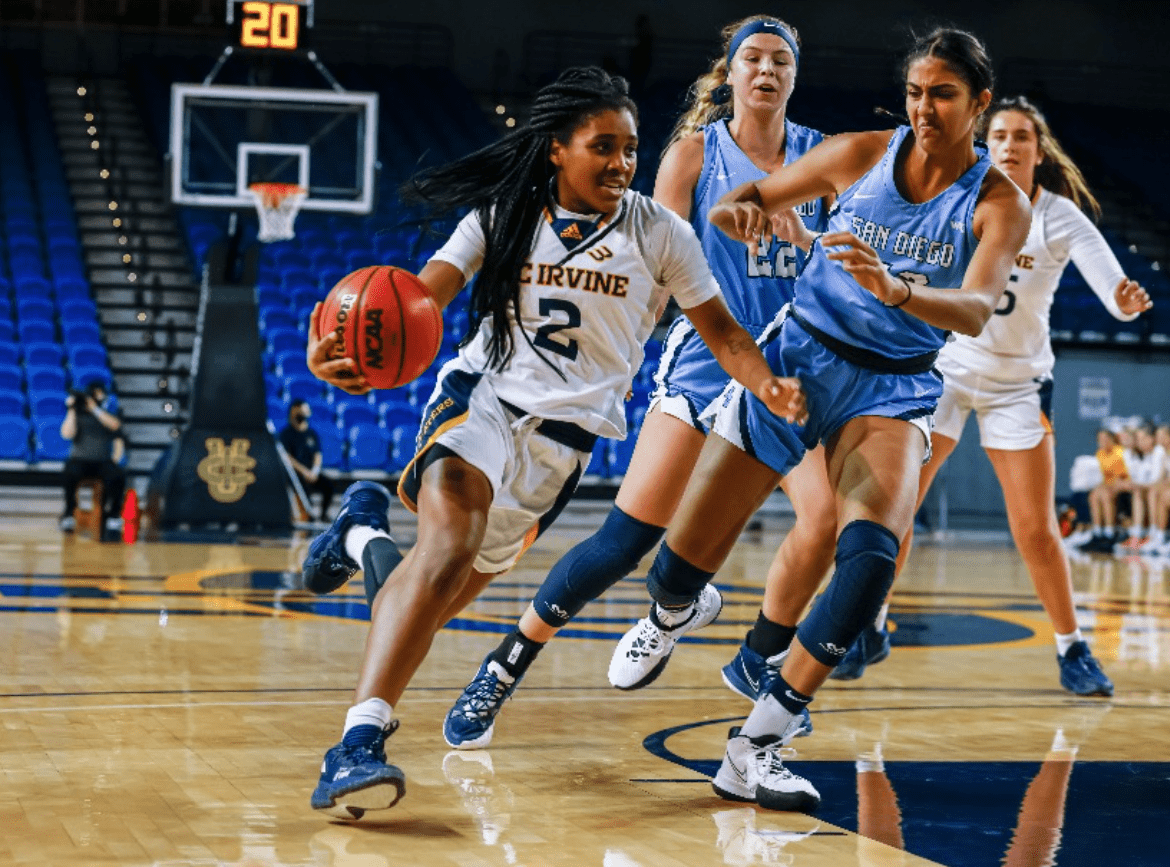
(909, 294)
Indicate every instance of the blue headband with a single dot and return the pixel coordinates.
(753, 27)
(722, 94)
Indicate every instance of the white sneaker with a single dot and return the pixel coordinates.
(743, 844)
(1152, 545)
(1078, 538)
(752, 771)
(643, 652)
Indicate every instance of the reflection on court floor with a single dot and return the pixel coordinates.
(169, 704)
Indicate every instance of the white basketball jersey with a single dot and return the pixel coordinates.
(1014, 345)
(587, 307)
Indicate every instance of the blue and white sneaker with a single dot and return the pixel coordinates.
(470, 721)
(327, 566)
(356, 779)
(870, 648)
(1080, 672)
(749, 675)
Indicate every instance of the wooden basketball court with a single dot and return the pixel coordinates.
(169, 704)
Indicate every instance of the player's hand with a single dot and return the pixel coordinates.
(788, 226)
(323, 356)
(1131, 297)
(742, 221)
(862, 263)
(784, 397)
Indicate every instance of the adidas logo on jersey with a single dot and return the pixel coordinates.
(572, 231)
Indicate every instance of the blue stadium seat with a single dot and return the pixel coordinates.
(76, 334)
(77, 310)
(50, 445)
(599, 461)
(620, 452)
(369, 447)
(332, 446)
(82, 376)
(350, 414)
(272, 318)
(43, 354)
(14, 438)
(46, 404)
(32, 308)
(87, 355)
(12, 402)
(71, 287)
(7, 331)
(290, 362)
(394, 414)
(9, 352)
(45, 379)
(280, 339)
(402, 445)
(37, 331)
(302, 387)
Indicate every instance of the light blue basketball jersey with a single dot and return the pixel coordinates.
(929, 243)
(755, 287)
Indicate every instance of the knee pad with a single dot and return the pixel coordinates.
(866, 559)
(674, 581)
(595, 565)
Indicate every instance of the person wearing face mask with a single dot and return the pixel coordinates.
(304, 453)
(1004, 375)
(95, 429)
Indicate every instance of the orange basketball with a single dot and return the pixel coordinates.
(388, 322)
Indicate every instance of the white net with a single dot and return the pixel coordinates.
(277, 206)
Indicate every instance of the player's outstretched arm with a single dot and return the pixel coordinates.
(826, 170)
(739, 355)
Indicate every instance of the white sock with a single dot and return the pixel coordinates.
(1098, 530)
(1157, 537)
(671, 617)
(1137, 532)
(768, 717)
(880, 622)
(1064, 642)
(371, 712)
(357, 538)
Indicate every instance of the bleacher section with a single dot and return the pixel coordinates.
(50, 339)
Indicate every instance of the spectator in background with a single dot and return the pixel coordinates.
(95, 431)
(304, 453)
(1159, 498)
(1111, 455)
(1145, 471)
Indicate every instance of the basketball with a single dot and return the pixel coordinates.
(387, 321)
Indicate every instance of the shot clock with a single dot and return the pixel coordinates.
(269, 25)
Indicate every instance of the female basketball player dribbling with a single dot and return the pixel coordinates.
(922, 242)
(573, 268)
(1005, 375)
(736, 130)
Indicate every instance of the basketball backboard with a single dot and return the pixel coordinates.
(226, 137)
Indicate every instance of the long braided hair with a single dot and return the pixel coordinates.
(507, 184)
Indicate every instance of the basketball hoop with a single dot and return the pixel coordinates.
(277, 206)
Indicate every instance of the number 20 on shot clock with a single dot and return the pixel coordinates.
(277, 25)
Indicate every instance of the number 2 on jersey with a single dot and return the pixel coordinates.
(544, 334)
